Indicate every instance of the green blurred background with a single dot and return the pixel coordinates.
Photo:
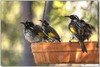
(12, 49)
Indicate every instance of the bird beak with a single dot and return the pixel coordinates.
(22, 23)
(41, 20)
(66, 16)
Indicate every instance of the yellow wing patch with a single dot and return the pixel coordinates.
(72, 30)
(51, 34)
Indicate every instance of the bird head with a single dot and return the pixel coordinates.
(44, 22)
(73, 17)
(27, 24)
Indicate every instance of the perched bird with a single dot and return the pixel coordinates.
(80, 30)
(33, 33)
(51, 32)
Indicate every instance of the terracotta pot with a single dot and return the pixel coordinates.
(65, 52)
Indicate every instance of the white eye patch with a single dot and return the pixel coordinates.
(74, 20)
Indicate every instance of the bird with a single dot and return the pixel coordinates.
(33, 33)
(50, 31)
(80, 30)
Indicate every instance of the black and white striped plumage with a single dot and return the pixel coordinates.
(80, 29)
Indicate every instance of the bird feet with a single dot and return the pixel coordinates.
(71, 39)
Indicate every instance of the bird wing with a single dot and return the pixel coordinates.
(52, 32)
(39, 31)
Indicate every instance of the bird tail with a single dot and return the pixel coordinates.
(92, 27)
(59, 40)
(82, 46)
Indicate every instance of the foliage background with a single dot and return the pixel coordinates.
(12, 36)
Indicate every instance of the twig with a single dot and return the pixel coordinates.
(44, 10)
